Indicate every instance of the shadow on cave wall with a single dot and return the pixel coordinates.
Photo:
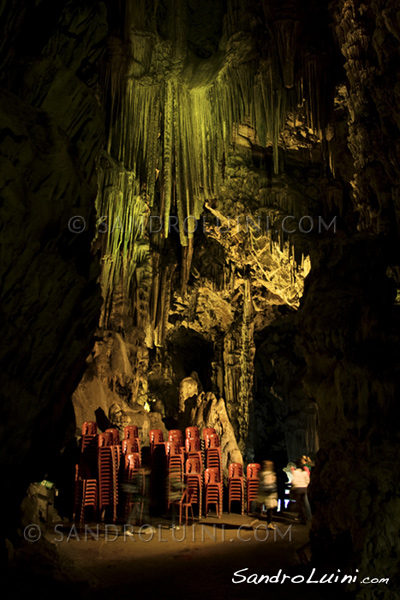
(285, 420)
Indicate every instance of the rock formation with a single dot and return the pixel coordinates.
(207, 187)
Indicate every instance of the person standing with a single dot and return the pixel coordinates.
(268, 490)
(300, 481)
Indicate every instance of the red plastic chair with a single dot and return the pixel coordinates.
(189, 498)
(235, 470)
(105, 439)
(108, 469)
(212, 476)
(213, 459)
(192, 432)
(86, 495)
(208, 431)
(156, 438)
(192, 445)
(252, 483)
(253, 470)
(212, 441)
(131, 431)
(115, 435)
(175, 435)
(235, 485)
(173, 448)
(213, 491)
(89, 428)
(193, 466)
(132, 461)
(130, 446)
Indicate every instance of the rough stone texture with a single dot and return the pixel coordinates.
(216, 110)
(51, 130)
(349, 320)
(113, 391)
(285, 421)
(350, 336)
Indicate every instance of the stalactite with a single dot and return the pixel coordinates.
(286, 33)
(182, 128)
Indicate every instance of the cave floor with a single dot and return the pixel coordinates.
(103, 561)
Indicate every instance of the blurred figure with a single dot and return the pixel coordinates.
(267, 491)
(300, 481)
(176, 490)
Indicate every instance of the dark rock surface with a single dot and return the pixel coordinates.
(52, 127)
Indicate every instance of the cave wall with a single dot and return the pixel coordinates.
(252, 100)
(349, 318)
(285, 420)
(52, 127)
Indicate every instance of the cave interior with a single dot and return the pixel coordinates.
(199, 227)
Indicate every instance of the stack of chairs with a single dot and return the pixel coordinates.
(213, 490)
(86, 496)
(236, 486)
(175, 462)
(115, 435)
(207, 432)
(213, 453)
(131, 432)
(105, 464)
(132, 486)
(192, 432)
(156, 439)
(194, 481)
(252, 483)
(109, 455)
(193, 444)
(86, 489)
(88, 457)
(175, 435)
(130, 446)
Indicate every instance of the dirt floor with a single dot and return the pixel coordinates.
(98, 561)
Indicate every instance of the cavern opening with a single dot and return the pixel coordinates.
(190, 353)
(199, 273)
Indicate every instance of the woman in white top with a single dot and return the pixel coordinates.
(300, 481)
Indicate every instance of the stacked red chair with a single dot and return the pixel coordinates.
(252, 483)
(89, 498)
(186, 504)
(156, 438)
(194, 481)
(131, 431)
(193, 443)
(130, 446)
(213, 490)
(86, 496)
(175, 461)
(175, 435)
(193, 448)
(208, 431)
(86, 489)
(88, 457)
(115, 435)
(192, 432)
(89, 428)
(213, 453)
(100, 472)
(236, 486)
(108, 468)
